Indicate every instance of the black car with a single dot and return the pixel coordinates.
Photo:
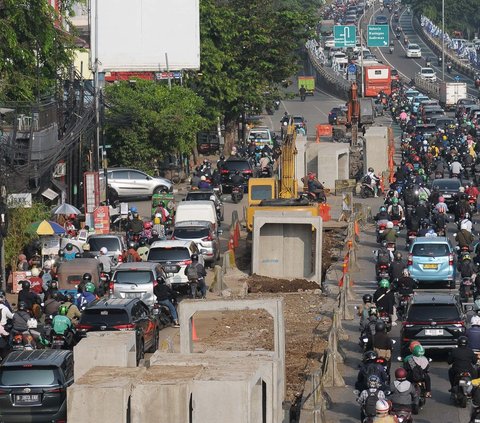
(300, 122)
(33, 386)
(244, 166)
(125, 314)
(336, 116)
(448, 189)
(435, 320)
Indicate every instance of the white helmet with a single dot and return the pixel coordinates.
(461, 189)
(47, 265)
(104, 250)
(35, 272)
(382, 406)
(390, 225)
(406, 273)
(475, 321)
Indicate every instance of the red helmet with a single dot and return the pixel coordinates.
(312, 176)
(147, 225)
(400, 374)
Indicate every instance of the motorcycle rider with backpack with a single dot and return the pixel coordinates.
(369, 397)
(195, 272)
(417, 367)
(368, 368)
(404, 396)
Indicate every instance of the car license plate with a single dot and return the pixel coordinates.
(27, 399)
(171, 268)
(434, 332)
(133, 294)
(447, 196)
(430, 266)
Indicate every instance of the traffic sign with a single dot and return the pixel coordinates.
(345, 35)
(378, 35)
(352, 68)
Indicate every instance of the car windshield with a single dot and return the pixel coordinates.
(447, 185)
(260, 135)
(168, 254)
(236, 165)
(21, 376)
(110, 243)
(413, 47)
(434, 313)
(133, 276)
(298, 119)
(430, 250)
(106, 317)
(428, 71)
(191, 232)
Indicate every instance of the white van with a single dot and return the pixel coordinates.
(196, 210)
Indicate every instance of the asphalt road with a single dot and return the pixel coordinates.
(408, 67)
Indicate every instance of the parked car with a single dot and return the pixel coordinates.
(435, 320)
(207, 195)
(33, 386)
(414, 50)
(132, 183)
(231, 165)
(137, 280)
(432, 260)
(113, 243)
(125, 314)
(203, 234)
(174, 253)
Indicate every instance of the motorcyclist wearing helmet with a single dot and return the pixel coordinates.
(381, 343)
(134, 226)
(405, 285)
(86, 297)
(417, 367)
(86, 251)
(105, 260)
(389, 234)
(441, 206)
(473, 333)
(382, 215)
(382, 408)
(221, 162)
(404, 395)
(370, 367)
(143, 249)
(374, 180)
(165, 296)
(464, 238)
(61, 323)
(462, 359)
(395, 211)
(195, 179)
(456, 169)
(73, 313)
(373, 392)
(28, 297)
(465, 266)
(131, 255)
(20, 318)
(364, 308)
(397, 266)
(384, 297)
(195, 272)
(52, 304)
(237, 179)
(70, 252)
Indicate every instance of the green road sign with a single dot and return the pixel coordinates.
(345, 35)
(378, 35)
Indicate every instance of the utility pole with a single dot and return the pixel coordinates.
(443, 40)
(96, 143)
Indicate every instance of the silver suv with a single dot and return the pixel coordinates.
(203, 234)
(137, 280)
(131, 183)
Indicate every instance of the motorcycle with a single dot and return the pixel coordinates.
(404, 415)
(105, 281)
(462, 389)
(23, 342)
(163, 314)
(383, 272)
(472, 203)
(383, 315)
(403, 302)
(237, 194)
(449, 68)
(477, 82)
(391, 49)
(276, 104)
(411, 236)
(466, 288)
(440, 61)
(391, 246)
(381, 226)
(367, 191)
(265, 172)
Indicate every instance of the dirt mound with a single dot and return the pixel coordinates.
(257, 283)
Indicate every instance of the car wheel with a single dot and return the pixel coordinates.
(154, 347)
(140, 351)
(160, 190)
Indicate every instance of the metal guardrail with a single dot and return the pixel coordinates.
(431, 88)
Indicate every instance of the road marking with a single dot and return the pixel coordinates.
(321, 111)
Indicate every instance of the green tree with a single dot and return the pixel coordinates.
(18, 235)
(247, 46)
(145, 120)
(35, 50)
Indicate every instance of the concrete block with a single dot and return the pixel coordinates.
(300, 166)
(101, 395)
(169, 388)
(104, 349)
(375, 149)
(330, 161)
(284, 245)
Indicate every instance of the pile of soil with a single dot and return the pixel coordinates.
(257, 283)
(305, 330)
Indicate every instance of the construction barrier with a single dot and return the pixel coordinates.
(391, 153)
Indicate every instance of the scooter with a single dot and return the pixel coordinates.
(366, 190)
(466, 289)
(391, 246)
(462, 389)
(237, 194)
(404, 301)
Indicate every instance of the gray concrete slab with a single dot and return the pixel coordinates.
(285, 246)
(376, 149)
(329, 160)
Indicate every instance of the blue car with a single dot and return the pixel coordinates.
(431, 259)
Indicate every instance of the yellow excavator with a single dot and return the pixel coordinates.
(279, 193)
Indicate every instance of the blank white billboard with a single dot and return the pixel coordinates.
(135, 35)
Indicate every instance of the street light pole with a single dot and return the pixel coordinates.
(443, 40)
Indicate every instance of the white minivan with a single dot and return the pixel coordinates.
(197, 210)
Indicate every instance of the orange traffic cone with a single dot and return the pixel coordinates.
(194, 332)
